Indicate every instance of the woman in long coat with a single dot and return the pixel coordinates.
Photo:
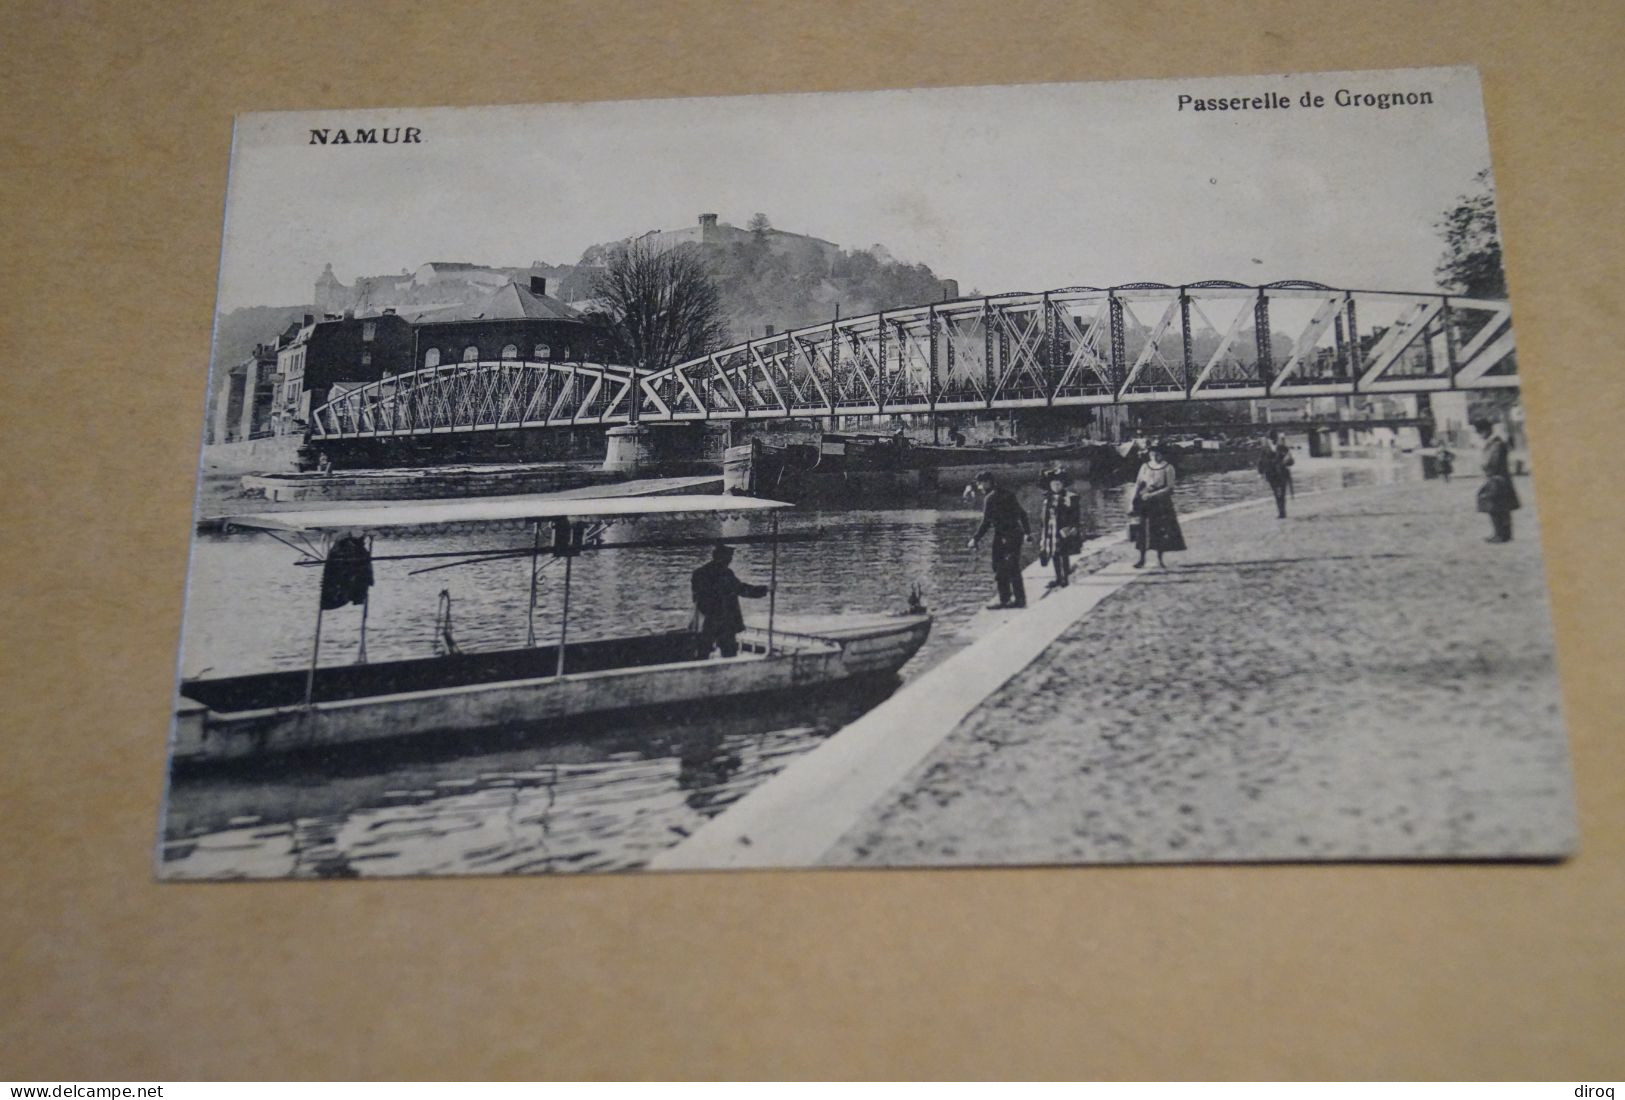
(1060, 536)
(1159, 523)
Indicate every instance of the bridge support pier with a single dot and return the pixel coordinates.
(665, 449)
(630, 449)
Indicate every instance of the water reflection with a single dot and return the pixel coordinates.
(593, 799)
(598, 797)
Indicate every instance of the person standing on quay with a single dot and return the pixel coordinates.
(1276, 466)
(1496, 496)
(1159, 523)
(1003, 514)
(1059, 535)
(1447, 462)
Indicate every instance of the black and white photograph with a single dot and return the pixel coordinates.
(1013, 475)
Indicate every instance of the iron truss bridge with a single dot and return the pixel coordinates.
(1144, 342)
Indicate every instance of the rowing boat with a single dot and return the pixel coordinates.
(320, 708)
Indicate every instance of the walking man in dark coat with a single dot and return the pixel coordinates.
(716, 603)
(1003, 515)
(1276, 466)
(1496, 496)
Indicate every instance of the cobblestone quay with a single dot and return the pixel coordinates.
(1365, 679)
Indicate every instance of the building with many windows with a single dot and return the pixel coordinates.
(511, 322)
(245, 393)
(336, 349)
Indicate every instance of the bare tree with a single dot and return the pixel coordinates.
(661, 307)
(759, 223)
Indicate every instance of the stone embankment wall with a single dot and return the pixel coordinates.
(272, 455)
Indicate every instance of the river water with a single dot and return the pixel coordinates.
(589, 799)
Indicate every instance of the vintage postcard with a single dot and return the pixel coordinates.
(1057, 474)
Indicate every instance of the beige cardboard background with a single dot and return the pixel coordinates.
(117, 122)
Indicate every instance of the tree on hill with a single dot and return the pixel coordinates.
(787, 280)
(661, 306)
(1471, 264)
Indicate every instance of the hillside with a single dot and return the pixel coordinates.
(239, 330)
(761, 287)
(765, 276)
(772, 277)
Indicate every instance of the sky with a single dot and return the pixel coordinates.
(1011, 188)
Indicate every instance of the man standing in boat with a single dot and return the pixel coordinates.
(716, 603)
(1003, 514)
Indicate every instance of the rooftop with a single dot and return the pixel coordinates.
(509, 302)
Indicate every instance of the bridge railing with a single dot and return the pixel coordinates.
(478, 396)
(1086, 345)
(1071, 346)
